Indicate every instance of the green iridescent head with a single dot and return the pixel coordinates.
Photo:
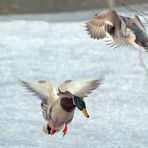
(80, 104)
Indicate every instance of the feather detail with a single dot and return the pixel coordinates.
(80, 88)
(42, 89)
(98, 26)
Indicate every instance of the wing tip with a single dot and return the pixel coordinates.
(42, 81)
(98, 81)
(23, 83)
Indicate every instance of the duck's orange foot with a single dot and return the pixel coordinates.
(65, 130)
(52, 130)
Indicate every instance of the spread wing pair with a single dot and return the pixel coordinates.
(123, 30)
(44, 90)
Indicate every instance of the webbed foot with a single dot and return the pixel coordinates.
(65, 130)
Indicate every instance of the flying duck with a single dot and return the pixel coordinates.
(123, 30)
(58, 107)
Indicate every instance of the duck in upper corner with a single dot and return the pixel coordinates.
(58, 107)
(122, 29)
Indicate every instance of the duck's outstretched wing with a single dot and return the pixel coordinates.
(103, 24)
(80, 88)
(46, 92)
(138, 22)
(42, 89)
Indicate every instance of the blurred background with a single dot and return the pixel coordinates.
(47, 39)
(46, 6)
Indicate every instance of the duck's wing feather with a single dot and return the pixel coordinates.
(138, 22)
(101, 25)
(46, 92)
(42, 89)
(80, 88)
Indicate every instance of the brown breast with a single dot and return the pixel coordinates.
(67, 104)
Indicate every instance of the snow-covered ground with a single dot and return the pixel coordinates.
(35, 49)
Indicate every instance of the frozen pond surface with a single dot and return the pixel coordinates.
(34, 50)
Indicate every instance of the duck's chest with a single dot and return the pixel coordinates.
(59, 116)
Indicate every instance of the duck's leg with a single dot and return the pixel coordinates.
(52, 130)
(65, 130)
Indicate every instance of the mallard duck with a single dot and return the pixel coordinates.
(58, 107)
(123, 30)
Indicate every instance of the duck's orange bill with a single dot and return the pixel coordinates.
(85, 113)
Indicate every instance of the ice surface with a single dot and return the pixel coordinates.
(34, 50)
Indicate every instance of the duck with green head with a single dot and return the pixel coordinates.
(58, 107)
(80, 104)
